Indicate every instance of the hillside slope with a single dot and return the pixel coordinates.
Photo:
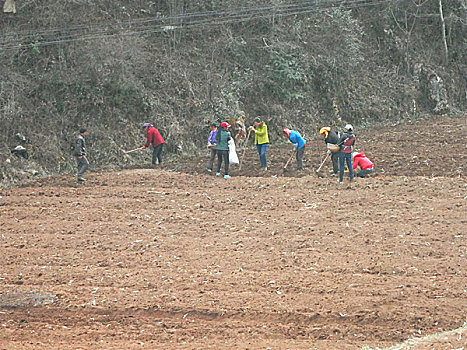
(112, 65)
(176, 258)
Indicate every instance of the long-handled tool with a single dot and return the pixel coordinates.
(244, 149)
(288, 160)
(327, 156)
(133, 150)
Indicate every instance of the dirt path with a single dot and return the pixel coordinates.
(176, 258)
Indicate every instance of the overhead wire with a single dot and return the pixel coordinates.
(131, 24)
(236, 17)
(177, 16)
(190, 15)
(279, 9)
(176, 22)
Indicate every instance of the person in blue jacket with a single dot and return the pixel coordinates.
(299, 145)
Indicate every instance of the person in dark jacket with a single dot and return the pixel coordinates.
(331, 137)
(222, 148)
(154, 138)
(346, 143)
(80, 154)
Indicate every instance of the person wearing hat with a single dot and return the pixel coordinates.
(154, 138)
(362, 161)
(299, 145)
(346, 143)
(212, 144)
(241, 131)
(260, 129)
(80, 154)
(222, 149)
(331, 137)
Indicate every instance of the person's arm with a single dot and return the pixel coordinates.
(294, 140)
(79, 147)
(148, 140)
(355, 163)
(342, 139)
(262, 131)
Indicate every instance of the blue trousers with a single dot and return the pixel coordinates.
(345, 158)
(262, 154)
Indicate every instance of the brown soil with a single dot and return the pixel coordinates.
(176, 258)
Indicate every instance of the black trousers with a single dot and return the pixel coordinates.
(335, 162)
(157, 154)
(83, 165)
(223, 155)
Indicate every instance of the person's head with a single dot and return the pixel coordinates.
(257, 121)
(286, 132)
(354, 154)
(325, 131)
(348, 128)
(213, 126)
(146, 125)
(83, 131)
(225, 125)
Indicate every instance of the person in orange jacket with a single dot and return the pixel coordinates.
(155, 139)
(365, 164)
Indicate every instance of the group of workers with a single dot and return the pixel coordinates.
(340, 148)
(220, 142)
(153, 139)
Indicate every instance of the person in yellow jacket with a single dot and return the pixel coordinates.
(260, 129)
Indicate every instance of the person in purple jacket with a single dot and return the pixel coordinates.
(299, 145)
(212, 145)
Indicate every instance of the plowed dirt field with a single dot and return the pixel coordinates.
(177, 258)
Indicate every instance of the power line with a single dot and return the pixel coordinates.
(233, 16)
(180, 17)
(169, 21)
(238, 11)
(184, 21)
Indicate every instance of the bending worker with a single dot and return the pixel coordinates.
(331, 138)
(365, 164)
(299, 145)
(154, 138)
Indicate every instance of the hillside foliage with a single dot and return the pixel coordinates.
(112, 65)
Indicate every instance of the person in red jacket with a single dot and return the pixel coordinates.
(155, 139)
(366, 165)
